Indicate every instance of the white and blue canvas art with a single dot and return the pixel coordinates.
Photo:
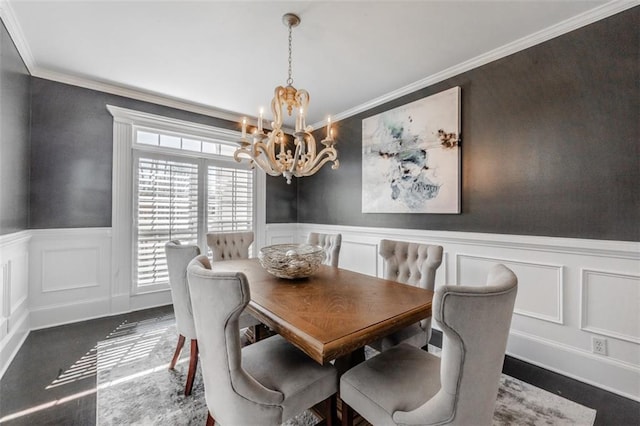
(411, 157)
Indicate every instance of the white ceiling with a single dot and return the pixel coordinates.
(230, 55)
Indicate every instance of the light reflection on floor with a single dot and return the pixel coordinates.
(129, 341)
(143, 336)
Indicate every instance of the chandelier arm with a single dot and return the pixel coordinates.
(326, 155)
(242, 154)
(303, 98)
(276, 108)
(264, 156)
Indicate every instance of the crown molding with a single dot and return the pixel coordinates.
(17, 35)
(139, 95)
(571, 24)
(601, 12)
(10, 21)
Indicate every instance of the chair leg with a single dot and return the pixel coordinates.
(347, 414)
(210, 420)
(193, 363)
(176, 355)
(331, 412)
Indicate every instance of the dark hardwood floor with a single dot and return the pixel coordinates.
(32, 392)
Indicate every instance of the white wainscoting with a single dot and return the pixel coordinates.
(569, 291)
(69, 275)
(70, 278)
(14, 295)
(57, 276)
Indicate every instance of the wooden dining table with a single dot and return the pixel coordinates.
(335, 312)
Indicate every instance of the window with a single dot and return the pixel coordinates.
(157, 197)
(166, 209)
(180, 196)
(229, 199)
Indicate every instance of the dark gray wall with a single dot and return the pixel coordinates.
(14, 137)
(72, 156)
(282, 200)
(550, 144)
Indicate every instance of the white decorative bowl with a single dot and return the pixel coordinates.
(291, 261)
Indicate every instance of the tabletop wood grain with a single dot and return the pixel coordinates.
(333, 312)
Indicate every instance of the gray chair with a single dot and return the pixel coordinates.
(406, 385)
(265, 383)
(229, 245)
(414, 264)
(331, 244)
(178, 258)
(235, 245)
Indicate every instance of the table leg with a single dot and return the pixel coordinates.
(343, 364)
(348, 361)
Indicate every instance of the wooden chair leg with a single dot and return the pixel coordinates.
(193, 363)
(347, 415)
(210, 420)
(176, 355)
(331, 412)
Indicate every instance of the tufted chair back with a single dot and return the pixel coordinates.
(411, 263)
(331, 244)
(414, 264)
(178, 257)
(229, 245)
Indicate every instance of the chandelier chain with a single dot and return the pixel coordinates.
(290, 79)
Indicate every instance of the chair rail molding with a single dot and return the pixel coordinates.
(570, 290)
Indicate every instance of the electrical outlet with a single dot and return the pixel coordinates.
(599, 345)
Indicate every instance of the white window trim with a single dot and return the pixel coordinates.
(125, 122)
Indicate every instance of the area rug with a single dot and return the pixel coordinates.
(135, 386)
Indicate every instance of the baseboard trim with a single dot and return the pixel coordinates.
(605, 373)
(550, 373)
(55, 315)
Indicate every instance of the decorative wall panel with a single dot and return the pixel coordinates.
(359, 257)
(540, 286)
(611, 304)
(67, 269)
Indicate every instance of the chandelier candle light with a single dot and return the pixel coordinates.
(261, 149)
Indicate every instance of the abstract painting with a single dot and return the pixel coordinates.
(411, 157)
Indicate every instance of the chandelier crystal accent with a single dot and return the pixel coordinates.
(269, 150)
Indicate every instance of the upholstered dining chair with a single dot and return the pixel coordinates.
(235, 245)
(265, 383)
(409, 386)
(414, 264)
(229, 245)
(178, 258)
(330, 243)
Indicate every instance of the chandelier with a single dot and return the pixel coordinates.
(270, 151)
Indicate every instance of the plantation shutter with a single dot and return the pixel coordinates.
(229, 199)
(166, 209)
